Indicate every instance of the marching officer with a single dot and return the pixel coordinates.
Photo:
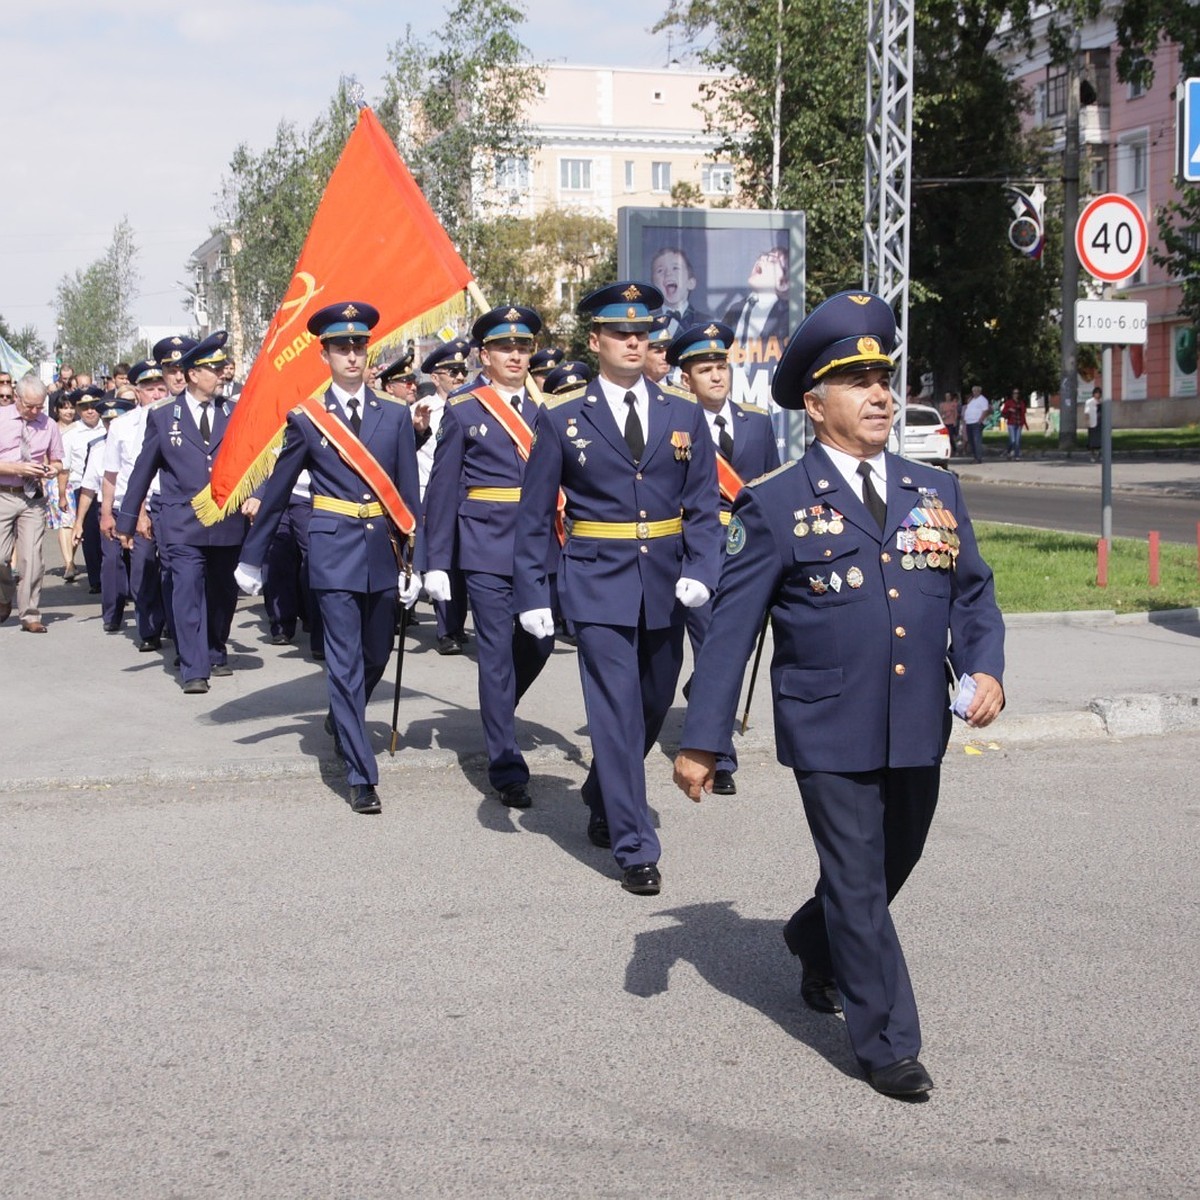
(745, 444)
(359, 452)
(470, 520)
(657, 366)
(181, 440)
(644, 543)
(869, 566)
(399, 380)
(543, 362)
(566, 377)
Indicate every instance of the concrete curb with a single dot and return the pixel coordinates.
(1104, 616)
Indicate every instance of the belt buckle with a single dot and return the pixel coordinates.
(642, 529)
(364, 510)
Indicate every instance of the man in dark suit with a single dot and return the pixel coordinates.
(182, 437)
(869, 566)
(763, 313)
(359, 452)
(470, 521)
(745, 444)
(636, 465)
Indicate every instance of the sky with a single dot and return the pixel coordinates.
(116, 108)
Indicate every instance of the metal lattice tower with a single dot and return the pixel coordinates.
(889, 164)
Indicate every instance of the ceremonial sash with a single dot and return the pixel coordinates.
(361, 461)
(728, 480)
(522, 436)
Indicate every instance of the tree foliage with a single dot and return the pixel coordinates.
(95, 304)
(26, 341)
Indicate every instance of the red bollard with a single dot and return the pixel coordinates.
(1154, 558)
(1102, 563)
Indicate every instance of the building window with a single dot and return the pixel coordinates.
(660, 177)
(1097, 172)
(1131, 165)
(512, 173)
(575, 174)
(1056, 94)
(716, 179)
(656, 96)
(629, 175)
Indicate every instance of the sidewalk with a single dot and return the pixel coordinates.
(85, 706)
(1144, 475)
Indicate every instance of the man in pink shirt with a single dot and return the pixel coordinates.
(30, 460)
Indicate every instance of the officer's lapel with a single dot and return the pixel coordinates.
(660, 421)
(595, 409)
(831, 488)
(187, 424)
(219, 424)
(902, 492)
(372, 415)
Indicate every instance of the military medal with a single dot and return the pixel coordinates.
(835, 581)
(908, 562)
(818, 584)
(854, 577)
(919, 562)
(572, 429)
(800, 529)
(820, 526)
(835, 521)
(933, 558)
(682, 441)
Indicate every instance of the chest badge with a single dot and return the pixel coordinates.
(818, 585)
(682, 441)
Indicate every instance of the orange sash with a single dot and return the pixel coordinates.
(361, 461)
(522, 436)
(728, 480)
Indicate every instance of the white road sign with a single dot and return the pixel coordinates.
(1111, 238)
(1120, 322)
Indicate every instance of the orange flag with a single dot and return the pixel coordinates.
(374, 238)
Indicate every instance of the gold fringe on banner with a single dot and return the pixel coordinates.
(453, 310)
(209, 512)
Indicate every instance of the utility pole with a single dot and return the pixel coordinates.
(1068, 409)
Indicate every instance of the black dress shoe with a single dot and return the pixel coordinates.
(364, 798)
(447, 646)
(112, 627)
(723, 784)
(195, 687)
(904, 1078)
(516, 795)
(149, 644)
(598, 833)
(642, 880)
(94, 591)
(460, 638)
(318, 655)
(221, 670)
(820, 993)
(280, 639)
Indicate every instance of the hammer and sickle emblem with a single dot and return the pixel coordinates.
(295, 308)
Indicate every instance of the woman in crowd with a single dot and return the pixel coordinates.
(62, 410)
(1013, 412)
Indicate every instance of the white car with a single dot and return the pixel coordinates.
(925, 436)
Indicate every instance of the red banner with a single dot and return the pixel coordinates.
(374, 238)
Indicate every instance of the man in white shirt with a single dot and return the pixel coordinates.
(974, 415)
(83, 439)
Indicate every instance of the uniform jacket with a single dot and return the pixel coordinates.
(474, 450)
(172, 447)
(754, 448)
(579, 447)
(858, 671)
(345, 553)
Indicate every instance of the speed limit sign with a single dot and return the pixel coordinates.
(1111, 238)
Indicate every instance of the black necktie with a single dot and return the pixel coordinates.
(516, 403)
(355, 419)
(205, 426)
(634, 438)
(871, 498)
(724, 441)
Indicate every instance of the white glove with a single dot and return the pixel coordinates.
(437, 584)
(691, 593)
(538, 622)
(410, 589)
(248, 578)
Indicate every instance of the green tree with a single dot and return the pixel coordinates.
(26, 341)
(95, 304)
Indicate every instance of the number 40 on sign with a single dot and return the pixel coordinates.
(1111, 238)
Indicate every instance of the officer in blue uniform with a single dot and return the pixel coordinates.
(566, 377)
(868, 566)
(644, 543)
(744, 440)
(470, 522)
(543, 361)
(182, 438)
(659, 341)
(353, 561)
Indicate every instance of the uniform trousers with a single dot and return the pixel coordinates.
(869, 829)
(286, 593)
(23, 525)
(359, 628)
(629, 677)
(509, 661)
(164, 569)
(145, 587)
(92, 550)
(114, 581)
(698, 620)
(203, 598)
(452, 614)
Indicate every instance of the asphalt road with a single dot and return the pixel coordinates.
(1077, 510)
(239, 989)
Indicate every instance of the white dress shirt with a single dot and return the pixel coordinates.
(847, 466)
(614, 393)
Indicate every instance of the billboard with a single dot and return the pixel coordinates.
(743, 267)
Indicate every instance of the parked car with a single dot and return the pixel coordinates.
(925, 436)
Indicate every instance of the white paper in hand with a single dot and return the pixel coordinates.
(963, 697)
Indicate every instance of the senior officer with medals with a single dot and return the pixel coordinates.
(181, 438)
(470, 520)
(745, 444)
(644, 542)
(359, 452)
(869, 567)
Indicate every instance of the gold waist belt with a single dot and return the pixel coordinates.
(627, 529)
(347, 508)
(498, 495)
